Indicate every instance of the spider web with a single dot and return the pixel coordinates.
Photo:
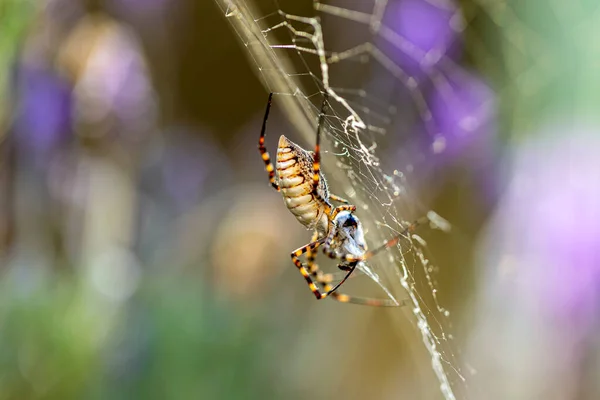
(376, 81)
(379, 81)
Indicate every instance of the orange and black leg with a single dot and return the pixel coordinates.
(317, 159)
(311, 247)
(338, 199)
(366, 301)
(263, 150)
(309, 276)
(345, 207)
(311, 255)
(331, 291)
(325, 279)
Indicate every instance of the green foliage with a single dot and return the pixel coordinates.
(49, 344)
(172, 341)
(15, 16)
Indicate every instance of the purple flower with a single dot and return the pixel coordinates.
(44, 102)
(463, 108)
(114, 92)
(62, 14)
(143, 10)
(463, 126)
(424, 33)
(538, 306)
(554, 205)
(192, 166)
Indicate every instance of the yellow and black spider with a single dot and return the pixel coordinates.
(336, 229)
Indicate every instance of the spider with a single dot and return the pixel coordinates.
(337, 230)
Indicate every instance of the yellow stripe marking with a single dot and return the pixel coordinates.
(265, 156)
(343, 298)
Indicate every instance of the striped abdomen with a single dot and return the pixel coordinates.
(294, 175)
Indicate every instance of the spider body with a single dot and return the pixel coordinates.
(294, 178)
(337, 230)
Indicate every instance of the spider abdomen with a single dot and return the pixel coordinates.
(294, 175)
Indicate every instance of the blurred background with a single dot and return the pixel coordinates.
(143, 254)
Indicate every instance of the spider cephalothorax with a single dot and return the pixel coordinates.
(347, 236)
(337, 230)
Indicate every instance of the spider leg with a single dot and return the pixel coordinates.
(331, 291)
(307, 276)
(263, 150)
(326, 279)
(335, 276)
(367, 301)
(317, 160)
(313, 268)
(311, 255)
(345, 207)
(338, 199)
(344, 267)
